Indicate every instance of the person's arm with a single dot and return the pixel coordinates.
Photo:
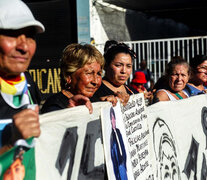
(147, 94)
(5, 148)
(160, 96)
(110, 98)
(78, 99)
(83, 100)
(124, 97)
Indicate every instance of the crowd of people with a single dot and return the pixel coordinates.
(81, 75)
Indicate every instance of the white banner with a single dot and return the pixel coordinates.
(179, 138)
(70, 145)
(167, 140)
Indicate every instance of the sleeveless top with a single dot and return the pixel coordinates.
(170, 96)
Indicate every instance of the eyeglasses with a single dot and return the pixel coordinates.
(202, 69)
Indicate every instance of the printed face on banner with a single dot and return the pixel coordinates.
(166, 155)
(15, 172)
(113, 118)
(169, 168)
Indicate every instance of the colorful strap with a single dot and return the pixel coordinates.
(15, 91)
(30, 97)
(179, 96)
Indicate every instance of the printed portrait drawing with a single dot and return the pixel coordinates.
(118, 153)
(204, 121)
(16, 171)
(165, 152)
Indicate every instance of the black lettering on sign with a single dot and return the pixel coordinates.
(191, 161)
(204, 121)
(87, 169)
(67, 151)
(204, 170)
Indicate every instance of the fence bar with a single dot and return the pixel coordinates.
(159, 60)
(183, 49)
(202, 46)
(159, 51)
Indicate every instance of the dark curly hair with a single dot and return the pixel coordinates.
(197, 60)
(112, 48)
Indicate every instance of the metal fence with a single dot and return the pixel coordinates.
(158, 52)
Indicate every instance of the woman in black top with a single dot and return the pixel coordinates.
(119, 60)
(81, 76)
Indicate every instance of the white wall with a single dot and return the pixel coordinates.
(107, 22)
(96, 28)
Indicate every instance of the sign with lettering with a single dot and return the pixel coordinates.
(135, 119)
(130, 129)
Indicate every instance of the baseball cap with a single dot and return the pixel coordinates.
(15, 14)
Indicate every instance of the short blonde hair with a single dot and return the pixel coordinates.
(75, 56)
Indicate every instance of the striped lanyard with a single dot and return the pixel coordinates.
(30, 97)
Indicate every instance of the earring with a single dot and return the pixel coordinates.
(67, 85)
